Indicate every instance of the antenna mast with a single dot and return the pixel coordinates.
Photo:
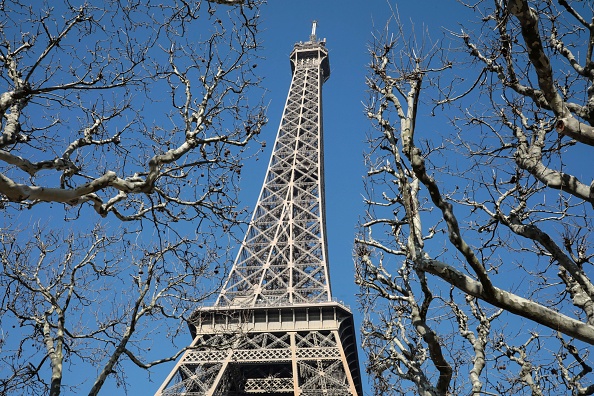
(312, 38)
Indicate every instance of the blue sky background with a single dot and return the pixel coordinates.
(346, 26)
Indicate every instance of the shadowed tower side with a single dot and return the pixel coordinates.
(274, 329)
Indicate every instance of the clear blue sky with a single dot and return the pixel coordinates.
(347, 27)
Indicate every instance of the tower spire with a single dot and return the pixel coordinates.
(275, 329)
(312, 37)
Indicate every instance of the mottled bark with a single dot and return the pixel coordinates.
(140, 112)
(488, 225)
(219, 91)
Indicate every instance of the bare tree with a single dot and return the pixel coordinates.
(474, 258)
(73, 299)
(126, 111)
(122, 105)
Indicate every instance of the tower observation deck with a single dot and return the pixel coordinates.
(275, 329)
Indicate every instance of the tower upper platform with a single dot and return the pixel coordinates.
(314, 50)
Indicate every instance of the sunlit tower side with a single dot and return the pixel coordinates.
(274, 329)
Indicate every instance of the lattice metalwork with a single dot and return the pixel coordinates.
(311, 362)
(283, 256)
(274, 329)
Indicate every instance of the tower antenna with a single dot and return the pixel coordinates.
(312, 38)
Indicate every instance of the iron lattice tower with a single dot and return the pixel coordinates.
(274, 329)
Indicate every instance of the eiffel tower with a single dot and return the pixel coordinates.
(275, 329)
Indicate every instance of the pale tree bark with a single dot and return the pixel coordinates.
(566, 122)
(487, 209)
(89, 306)
(143, 108)
(123, 131)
